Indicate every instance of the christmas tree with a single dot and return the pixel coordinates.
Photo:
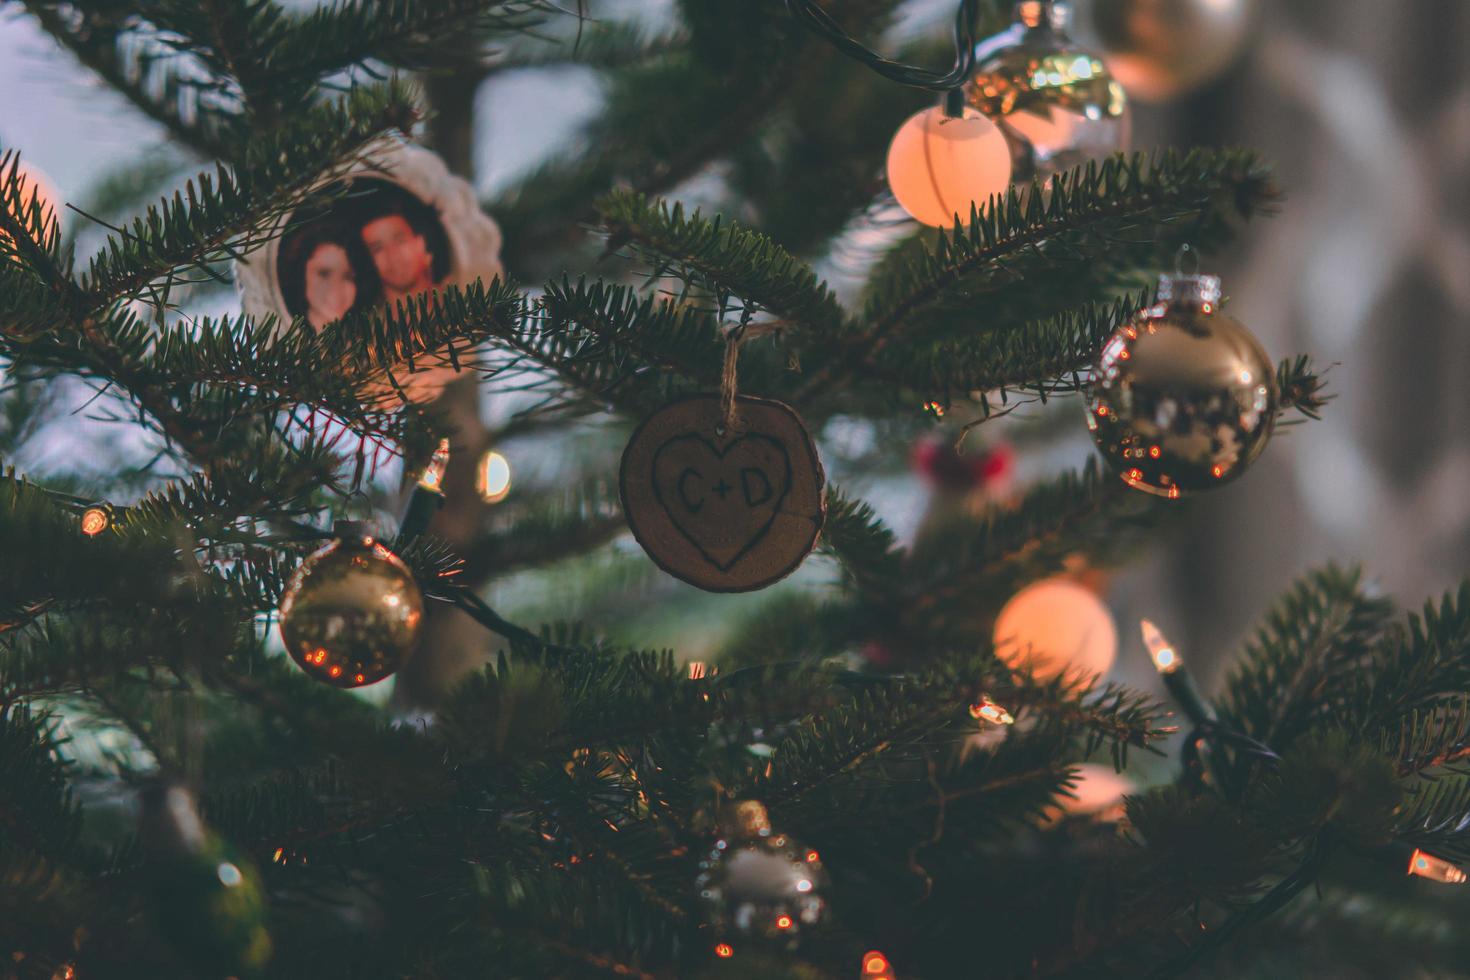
(307, 688)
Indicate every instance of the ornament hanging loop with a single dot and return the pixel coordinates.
(1189, 255)
(729, 380)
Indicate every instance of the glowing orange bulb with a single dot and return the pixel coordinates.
(723, 951)
(940, 167)
(1435, 869)
(697, 670)
(812, 857)
(335, 671)
(279, 856)
(360, 678)
(1155, 451)
(1218, 470)
(783, 922)
(1102, 410)
(1173, 493)
(94, 521)
(876, 966)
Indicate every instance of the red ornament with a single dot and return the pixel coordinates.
(938, 462)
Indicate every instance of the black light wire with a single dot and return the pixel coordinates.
(814, 18)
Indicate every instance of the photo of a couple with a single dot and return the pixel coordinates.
(375, 244)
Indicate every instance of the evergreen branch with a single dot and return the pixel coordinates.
(726, 259)
(406, 34)
(855, 535)
(115, 52)
(969, 563)
(551, 526)
(1303, 388)
(1097, 224)
(1297, 670)
(237, 210)
(1423, 664)
(1045, 358)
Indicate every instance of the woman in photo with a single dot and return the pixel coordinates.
(325, 273)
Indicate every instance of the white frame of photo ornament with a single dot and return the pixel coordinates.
(474, 245)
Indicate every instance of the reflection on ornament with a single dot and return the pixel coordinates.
(877, 967)
(1183, 397)
(1053, 627)
(352, 612)
(939, 168)
(95, 520)
(1056, 102)
(1161, 49)
(492, 477)
(1097, 792)
(761, 884)
(1435, 869)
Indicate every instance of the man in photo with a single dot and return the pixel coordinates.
(396, 231)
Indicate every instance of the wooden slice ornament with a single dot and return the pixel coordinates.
(724, 491)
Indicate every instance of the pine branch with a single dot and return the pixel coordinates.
(1096, 225)
(1296, 671)
(121, 57)
(237, 210)
(724, 258)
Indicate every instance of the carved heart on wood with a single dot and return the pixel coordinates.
(723, 500)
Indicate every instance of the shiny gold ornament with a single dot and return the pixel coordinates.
(1161, 49)
(1183, 398)
(352, 612)
(1056, 103)
(760, 884)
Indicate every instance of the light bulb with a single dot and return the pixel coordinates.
(1054, 627)
(94, 521)
(1165, 659)
(1435, 869)
(433, 478)
(492, 477)
(987, 710)
(939, 167)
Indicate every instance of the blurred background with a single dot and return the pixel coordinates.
(1364, 107)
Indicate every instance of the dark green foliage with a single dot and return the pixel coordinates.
(547, 816)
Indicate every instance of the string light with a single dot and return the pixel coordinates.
(697, 670)
(433, 478)
(987, 710)
(95, 520)
(724, 951)
(492, 477)
(876, 966)
(1160, 650)
(1428, 866)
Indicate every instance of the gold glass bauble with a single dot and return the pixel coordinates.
(1056, 102)
(1183, 398)
(352, 612)
(1161, 49)
(761, 884)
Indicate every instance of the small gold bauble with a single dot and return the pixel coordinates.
(1183, 398)
(352, 612)
(1056, 102)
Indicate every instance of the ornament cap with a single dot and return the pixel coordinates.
(354, 534)
(1194, 291)
(750, 819)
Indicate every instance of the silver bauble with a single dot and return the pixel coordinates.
(1183, 398)
(759, 883)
